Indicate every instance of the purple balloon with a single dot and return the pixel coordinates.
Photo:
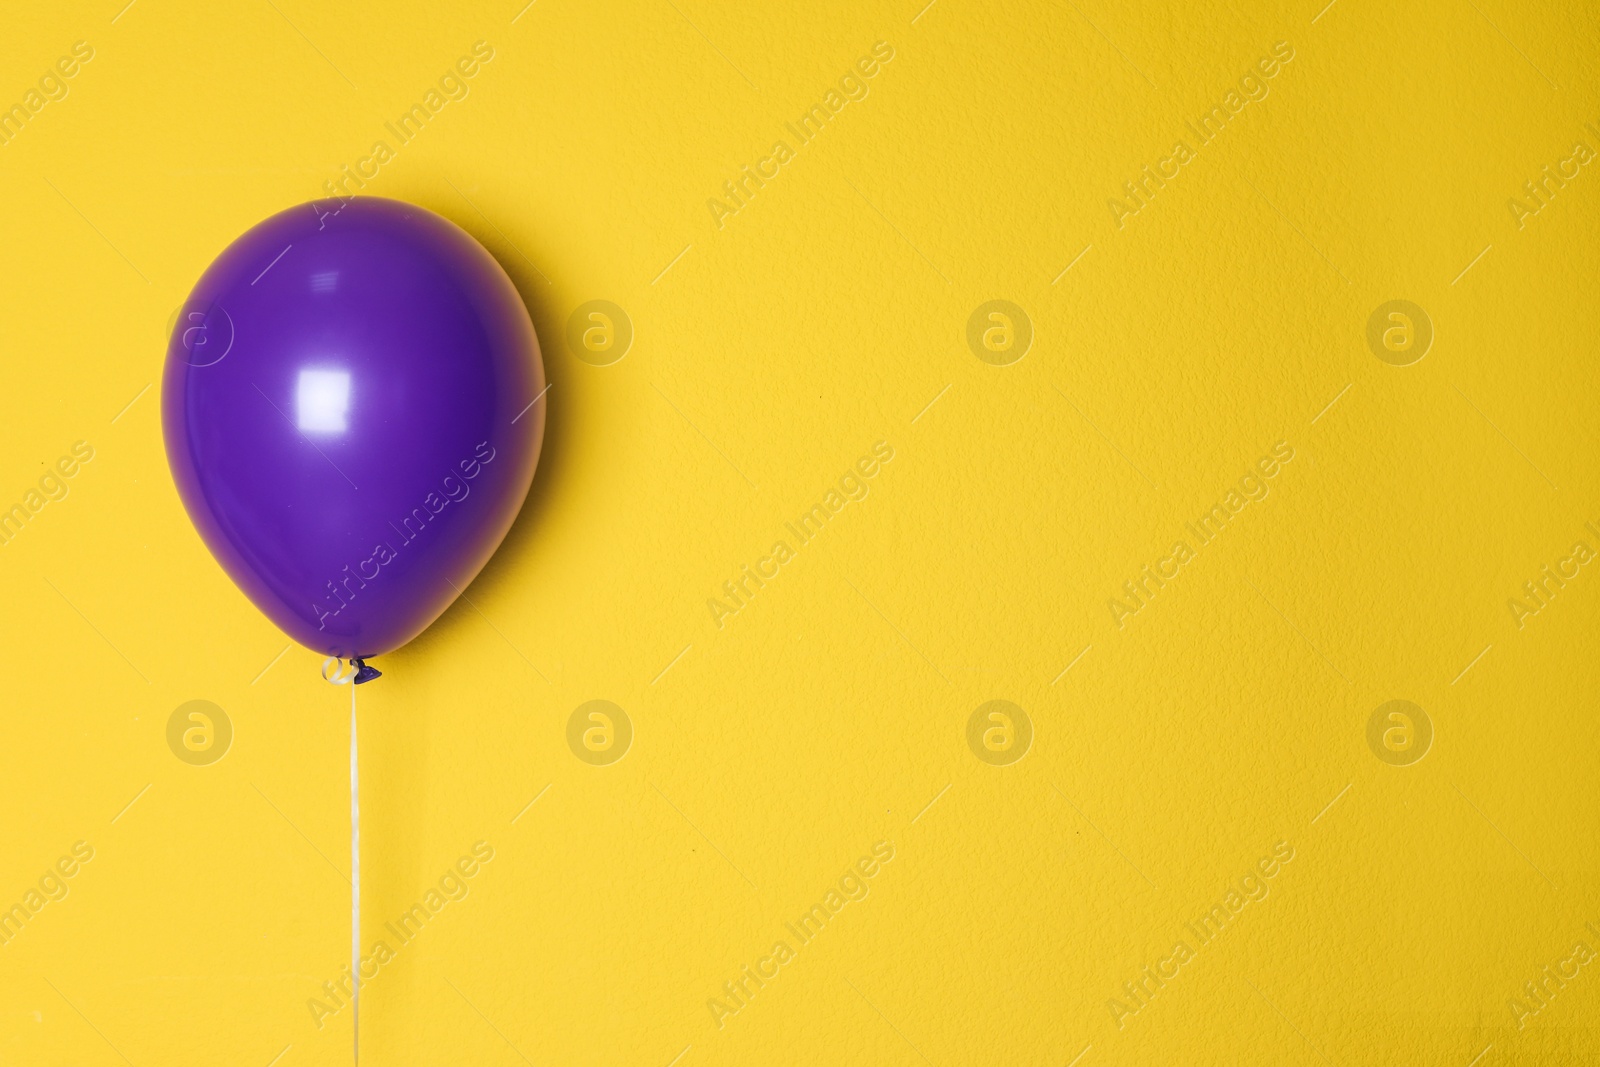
(350, 417)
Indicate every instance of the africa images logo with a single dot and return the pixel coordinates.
(852, 886)
(852, 86)
(852, 487)
(455, 490)
(452, 886)
(52, 87)
(52, 486)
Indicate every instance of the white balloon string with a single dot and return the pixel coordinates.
(355, 883)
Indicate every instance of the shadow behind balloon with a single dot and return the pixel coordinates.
(538, 296)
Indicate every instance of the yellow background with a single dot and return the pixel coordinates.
(830, 713)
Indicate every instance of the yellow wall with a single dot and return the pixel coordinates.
(1169, 755)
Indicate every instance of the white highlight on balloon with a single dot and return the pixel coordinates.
(322, 398)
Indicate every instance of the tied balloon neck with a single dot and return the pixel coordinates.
(364, 672)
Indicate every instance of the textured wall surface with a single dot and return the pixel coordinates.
(1120, 407)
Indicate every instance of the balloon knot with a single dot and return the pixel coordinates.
(364, 673)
